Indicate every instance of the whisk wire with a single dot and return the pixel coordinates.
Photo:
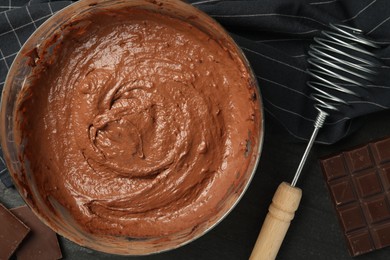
(326, 99)
(320, 52)
(341, 42)
(340, 61)
(356, 35)
(329, 74)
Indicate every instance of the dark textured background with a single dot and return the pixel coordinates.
(315, 232)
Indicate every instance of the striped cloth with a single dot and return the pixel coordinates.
(274, 35)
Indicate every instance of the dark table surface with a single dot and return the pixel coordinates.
(314, 233)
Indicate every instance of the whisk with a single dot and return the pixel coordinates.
(340, 62)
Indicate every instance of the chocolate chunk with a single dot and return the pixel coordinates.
(359, 184)
(41, 243)
(12, 232)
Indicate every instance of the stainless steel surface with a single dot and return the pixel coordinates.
(339, 61)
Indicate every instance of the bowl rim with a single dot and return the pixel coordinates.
(73, 7)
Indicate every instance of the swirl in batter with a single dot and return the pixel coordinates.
(140, 126)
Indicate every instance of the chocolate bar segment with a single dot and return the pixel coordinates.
(360, 242)
(359, 184)
(12, 233)
(41, 243)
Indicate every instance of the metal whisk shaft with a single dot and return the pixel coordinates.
(339, 64)
(337, 59)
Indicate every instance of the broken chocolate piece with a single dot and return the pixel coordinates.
(12, 233)
(359, 183)
(42, 242)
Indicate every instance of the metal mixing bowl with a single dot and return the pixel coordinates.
(60, 221)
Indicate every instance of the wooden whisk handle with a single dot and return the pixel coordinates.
(280, 213)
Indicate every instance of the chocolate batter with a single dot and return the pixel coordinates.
(140, 124)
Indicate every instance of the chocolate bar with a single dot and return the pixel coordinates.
(12, 233)
(42, 242)
(359, 184)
